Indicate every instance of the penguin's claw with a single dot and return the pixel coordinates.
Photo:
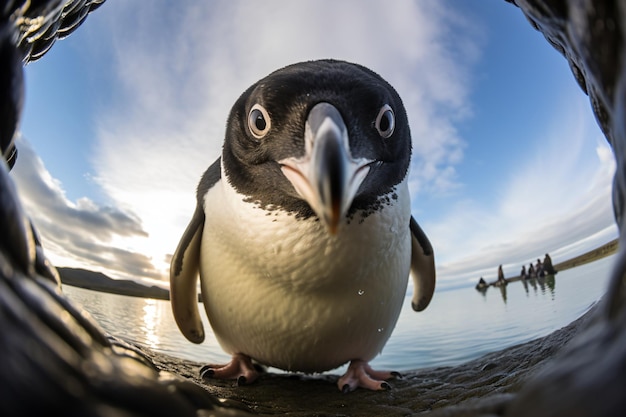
(240, 368)
(360, 374)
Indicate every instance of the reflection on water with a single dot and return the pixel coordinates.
(148, 322)
(150, 315)
(503, 292)
(540, 284)
(532, 286)
(459, 325)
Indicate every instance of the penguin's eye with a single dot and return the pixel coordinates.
(259, 121)
(385, 121)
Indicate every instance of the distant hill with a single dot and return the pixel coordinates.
(97, 281)
(593, 255)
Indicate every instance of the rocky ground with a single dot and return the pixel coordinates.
(482, 387)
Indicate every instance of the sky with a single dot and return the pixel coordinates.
(122, 118)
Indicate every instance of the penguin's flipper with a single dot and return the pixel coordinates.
(422, 267)
(184, 268)
(184, 280)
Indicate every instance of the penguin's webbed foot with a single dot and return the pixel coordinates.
(360, 374)
(240, 368)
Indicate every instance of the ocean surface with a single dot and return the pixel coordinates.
(459, 325)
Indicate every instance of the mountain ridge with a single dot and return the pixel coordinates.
(97, 281)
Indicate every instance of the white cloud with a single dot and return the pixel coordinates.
(175, 72)
(181, 73)
(77, 233)
(560, 196)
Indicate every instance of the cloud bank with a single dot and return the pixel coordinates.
(549, 203)
(81, 230)
(177, 86)
(172, 74)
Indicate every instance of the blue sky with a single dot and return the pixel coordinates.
(123, 117)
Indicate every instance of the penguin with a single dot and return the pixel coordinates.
(302, 236)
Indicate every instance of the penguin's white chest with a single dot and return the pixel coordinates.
(290, 295)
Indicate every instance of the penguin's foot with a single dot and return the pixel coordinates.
(360, 374)
(240, 368)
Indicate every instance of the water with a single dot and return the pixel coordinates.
(459, 325)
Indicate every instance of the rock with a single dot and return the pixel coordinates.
(588, 377)
(55, 359)
(482, 386)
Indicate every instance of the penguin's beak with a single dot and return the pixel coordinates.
(327, 177)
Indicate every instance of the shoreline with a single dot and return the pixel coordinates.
(596, 254)
(96, 281)
(483, 385)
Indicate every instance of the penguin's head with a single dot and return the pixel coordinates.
(320, 138)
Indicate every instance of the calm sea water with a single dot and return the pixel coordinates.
(459, 325)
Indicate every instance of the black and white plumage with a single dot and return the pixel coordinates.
(302, 235)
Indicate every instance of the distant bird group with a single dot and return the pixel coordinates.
(540, 269)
